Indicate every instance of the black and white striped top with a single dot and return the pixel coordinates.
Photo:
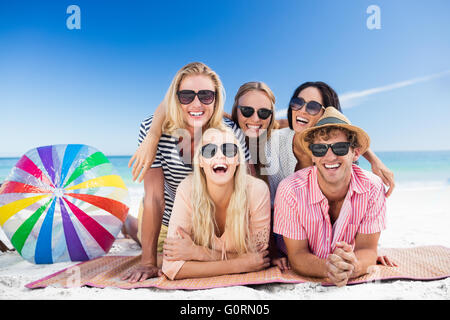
(174, 168)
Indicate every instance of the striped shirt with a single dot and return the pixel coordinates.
(301, 210)
(174, 168)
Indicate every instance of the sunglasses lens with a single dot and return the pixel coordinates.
(264, 113)
(313, 107)
(186, 96)
(296, 103)
(318, 149)
(229, 150)
(206, 96)
(247, 111)
(340, 148)
(209, 150)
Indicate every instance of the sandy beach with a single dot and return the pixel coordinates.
(416, 217)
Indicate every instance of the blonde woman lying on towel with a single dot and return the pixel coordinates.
(220, 221)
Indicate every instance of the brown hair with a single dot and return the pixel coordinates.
(326, 132)
(329, 97)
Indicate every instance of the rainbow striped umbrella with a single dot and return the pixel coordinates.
(63, 203)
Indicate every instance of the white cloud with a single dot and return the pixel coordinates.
(354, 98)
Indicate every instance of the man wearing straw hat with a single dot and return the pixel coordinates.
(331, 214)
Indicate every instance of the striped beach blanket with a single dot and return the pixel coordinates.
(420, 263)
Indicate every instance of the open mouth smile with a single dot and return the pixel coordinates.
(196, 114)
(302, 120)
(332, 166)
(220, 168)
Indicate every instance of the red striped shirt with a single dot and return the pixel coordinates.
(301, 210)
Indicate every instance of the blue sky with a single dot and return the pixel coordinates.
(95, 85)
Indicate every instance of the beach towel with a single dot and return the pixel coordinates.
(420, 263)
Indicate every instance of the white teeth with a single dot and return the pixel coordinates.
(302, 120)
(253, 127)
(332, 166)
(196, 114)
(220, 166)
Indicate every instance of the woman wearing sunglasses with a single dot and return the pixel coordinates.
(193, 103)
(220, 221)
(253, 111)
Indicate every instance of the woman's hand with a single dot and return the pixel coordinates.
(386, 175)
(144, 156)
(142, 272)
(182, 248)
(254, 261)
(385, 261)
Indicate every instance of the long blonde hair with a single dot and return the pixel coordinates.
(237, 215)
(174, 114)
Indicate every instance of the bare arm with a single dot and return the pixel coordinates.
(248, 262)
(153, 213)
(303, 261)
(378, 168)
(365, 252)
(184, 248)
(145, 154)
(151, 225)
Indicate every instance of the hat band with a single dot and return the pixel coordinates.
(331, 120)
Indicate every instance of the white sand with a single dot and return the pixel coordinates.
(416, 217)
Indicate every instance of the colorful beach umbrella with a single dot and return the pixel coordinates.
(63, 203)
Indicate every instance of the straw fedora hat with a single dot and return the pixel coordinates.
(333, 118)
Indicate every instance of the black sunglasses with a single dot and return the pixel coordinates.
(187, 96)
(312, 107)
(262, 113)
(338, 148)
(229, 150)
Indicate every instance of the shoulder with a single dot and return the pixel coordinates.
(186, 183)
(143, 128)
(229, 123)
(258, 198)
(185, 186)
(285, 134)
(281, 133)
(367, 180)
(256, 186)
(233, 126)
(146, 123)
(296, 182)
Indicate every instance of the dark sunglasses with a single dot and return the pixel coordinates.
(262, 113)
(312, 107)
(229, 150)
(187, 96)
(338, 148)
